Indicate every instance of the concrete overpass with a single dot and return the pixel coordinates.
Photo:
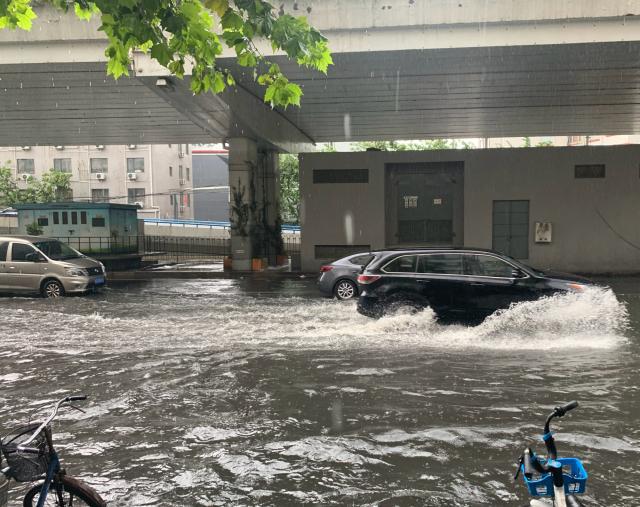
(404, 69)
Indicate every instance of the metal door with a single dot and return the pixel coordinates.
(424, 204)
(511, 228)
(23, 274)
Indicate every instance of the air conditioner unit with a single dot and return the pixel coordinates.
(131, 146)
(59, 147)
(99, 146)
(181, 154)
(139, 204)
(181, 209)
(101, 176)
(181, 181)
(132, 176)
(26, 148)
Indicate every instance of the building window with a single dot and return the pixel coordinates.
(97, 221)
(188, 174)
(180, 175)
(26, 166)
(83, 217)
(341, 175)
(99, 165)
(135, 165)
(170, 171)
(56, 218)
(171, 199)
(188, 199)
(100, 194)
(135, 195)
(62, 164)
(74, 218)
(43, 221)
(65, 218)
(590, 171)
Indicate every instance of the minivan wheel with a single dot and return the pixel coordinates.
(52, 289)
(404, 304)
(345, 289)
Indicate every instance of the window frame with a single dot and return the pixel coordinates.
(13, 243)
(21, 170)
(96, 171)
(414, 272)
(479, 254)
(134, 169)
(460, 254)
(70, 171)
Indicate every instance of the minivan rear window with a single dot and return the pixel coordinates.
(3, 251)
(441, 264)
(403, 264)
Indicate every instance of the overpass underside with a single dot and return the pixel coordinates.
(575, 89)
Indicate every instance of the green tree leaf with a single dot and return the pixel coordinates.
(178, 31)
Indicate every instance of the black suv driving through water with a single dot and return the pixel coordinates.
(454, 282)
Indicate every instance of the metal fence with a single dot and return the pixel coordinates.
(184, 249)
(168, 248)
(105, 245)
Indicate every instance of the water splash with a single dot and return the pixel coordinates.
(212, 318)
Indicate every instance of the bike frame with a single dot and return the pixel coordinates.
(52, 470)
(54, 461)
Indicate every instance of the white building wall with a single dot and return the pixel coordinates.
(595, 221)
(156, 183)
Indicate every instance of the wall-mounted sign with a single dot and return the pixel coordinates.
(410, 201)
(544, 232)
(437, 202)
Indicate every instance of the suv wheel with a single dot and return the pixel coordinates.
(345, 289)
(52, 289)
(404, 303)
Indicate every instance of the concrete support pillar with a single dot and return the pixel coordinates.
(254, 182)
(243, 159)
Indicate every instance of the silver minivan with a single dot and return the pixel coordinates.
(46, 266)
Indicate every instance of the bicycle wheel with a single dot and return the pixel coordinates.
(74, 493)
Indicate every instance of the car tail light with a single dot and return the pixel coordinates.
(324, 269)
(365, 279)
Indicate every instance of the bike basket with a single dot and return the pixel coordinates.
(26, 466)
(573, 472)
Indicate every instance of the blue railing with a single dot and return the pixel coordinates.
(206, 223)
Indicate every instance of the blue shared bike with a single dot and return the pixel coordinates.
(31, 457)
(559, 479)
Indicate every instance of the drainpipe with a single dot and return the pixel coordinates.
(151, 175)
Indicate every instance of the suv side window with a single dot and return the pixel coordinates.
(441, 264)
(402, 264)
(19, 252)
(487, 265)
(361, 260)
(3, 251)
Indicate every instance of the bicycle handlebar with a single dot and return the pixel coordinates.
(67, 399)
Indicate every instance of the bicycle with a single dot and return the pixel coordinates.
(30, 457)
(546, 477)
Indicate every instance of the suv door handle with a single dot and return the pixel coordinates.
(477, 284)
(423, 281)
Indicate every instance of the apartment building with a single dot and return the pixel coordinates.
(157, 178)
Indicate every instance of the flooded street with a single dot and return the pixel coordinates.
(241, 392)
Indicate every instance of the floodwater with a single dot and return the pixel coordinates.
(241, 392)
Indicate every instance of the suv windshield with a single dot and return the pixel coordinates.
(56, 250)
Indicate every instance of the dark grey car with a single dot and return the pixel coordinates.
(339, 278)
